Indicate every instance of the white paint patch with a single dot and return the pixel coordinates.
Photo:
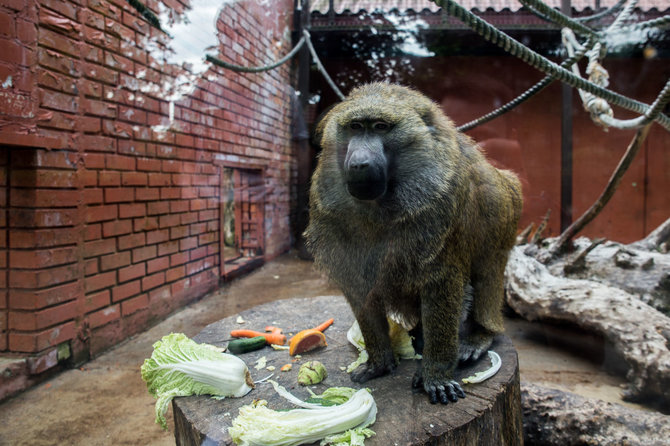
(7, 83)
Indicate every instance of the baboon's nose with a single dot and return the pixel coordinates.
(359, 160)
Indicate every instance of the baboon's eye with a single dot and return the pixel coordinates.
(356, 126)
(381, 126)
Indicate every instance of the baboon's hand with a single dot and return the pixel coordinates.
(368, 371)
(439, 390)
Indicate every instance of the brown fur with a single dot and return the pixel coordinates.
(444, 225)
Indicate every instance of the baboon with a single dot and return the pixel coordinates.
(410, 220)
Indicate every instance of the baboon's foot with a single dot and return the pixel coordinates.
(368, 371)
(474, 345)
(438, 390)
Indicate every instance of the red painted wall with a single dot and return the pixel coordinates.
(108, 221)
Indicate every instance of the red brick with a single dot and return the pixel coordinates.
(153, 281)
(42, 258)
(89, 178)
(43, 277)
(91, 266)
(101, 213)
(114, 261)
(135, 304)
(134, 179)
(149, 164)
(159, 264)
(104, 316)
(179, 232)
(26, 31)
(58, 42)
(132, 210)
(97, 143)
(169, 220)
(108, 178)
(158, 207)
(119, 195)
(132, 241)
(175, 273)
(94, 160)
(93, 232)
(14, 53)
(131, 147)
(33, 300)
(178, 206)
(117, 227)
(179, 258)
(168, 248)
(132, 272)
(41, 238)
(171, 193)
(57, 101)
(43, 178)
(144, 253)
(126, 290)
(100, 281)
(99, 247)
(145, 224)
(96, 301)
(44, 198)
(188, 243)
(159, 179)
(35, 342)
(93, 196)
(120, 162)
(147, 194)
(38, 320)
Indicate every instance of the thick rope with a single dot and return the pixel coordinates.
(241, 69)
(557, 17)
(323, 71)
(534, 59)
(602, 14)
(523, 97)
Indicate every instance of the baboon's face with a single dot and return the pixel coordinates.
(366, 161)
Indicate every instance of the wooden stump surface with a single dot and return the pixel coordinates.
(489, 415)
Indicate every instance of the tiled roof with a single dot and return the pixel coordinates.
(481, 5)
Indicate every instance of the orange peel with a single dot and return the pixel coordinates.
(306, 340)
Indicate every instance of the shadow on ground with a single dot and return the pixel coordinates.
(105, 402)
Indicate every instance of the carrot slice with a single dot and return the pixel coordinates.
(325, 325)
(273, 335)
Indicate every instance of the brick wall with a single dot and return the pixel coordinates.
(113, 208)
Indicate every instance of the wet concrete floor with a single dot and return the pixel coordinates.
(105, 402)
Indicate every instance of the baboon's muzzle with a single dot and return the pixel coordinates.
(365, 167)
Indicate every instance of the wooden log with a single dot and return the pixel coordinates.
(490, 413)
(556, 418)
(638, 332)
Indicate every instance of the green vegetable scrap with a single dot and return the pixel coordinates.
(312, 372)
(180, 366)
(344, 424)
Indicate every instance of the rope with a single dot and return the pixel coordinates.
(557, 17)
(602, 14)
(238, 68)
(534, 59)
(523, 97)
(323, 71)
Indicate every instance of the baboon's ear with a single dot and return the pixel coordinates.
(427, 114)
(321, 125)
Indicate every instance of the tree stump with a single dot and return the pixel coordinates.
(490, 413)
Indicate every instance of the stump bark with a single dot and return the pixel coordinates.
(490, 413)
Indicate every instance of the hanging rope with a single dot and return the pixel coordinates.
(220, 63)
(320, 65)
(523, 97)
(602, 14)
(534, 59)
(556, 17)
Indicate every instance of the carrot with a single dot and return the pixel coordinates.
(325, 325)
(272, 335)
